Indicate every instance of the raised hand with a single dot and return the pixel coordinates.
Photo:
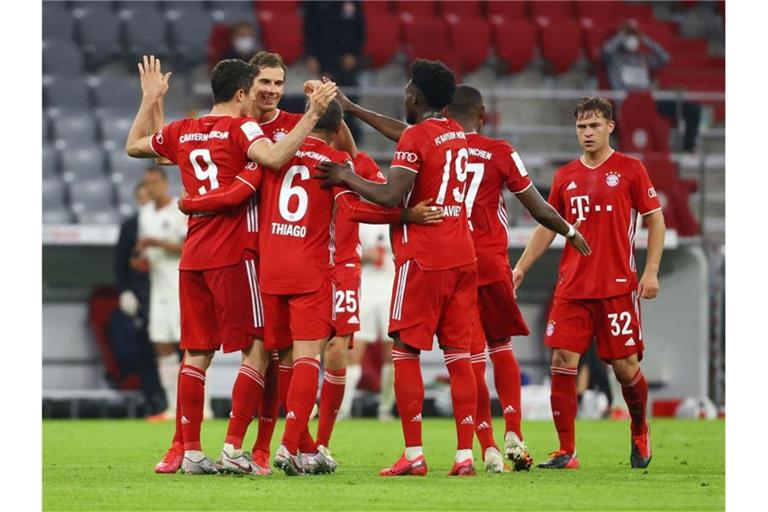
(578, 242)
(321, 97)
(154, 84)
(345, 102)
(422, 213)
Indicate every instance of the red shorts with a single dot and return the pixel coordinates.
(221, 307)
(477, 337)
(434, 302)
(304, 316)
(614, 321)
(346, 300)
(499, 313)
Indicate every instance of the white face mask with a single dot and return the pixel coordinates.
(244, 45)
(631, 43)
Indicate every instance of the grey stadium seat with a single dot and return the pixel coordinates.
(50, 160)
(189, 31)
(99, 34)
(106, 216)
(74, 129)
(57, 21)
(53, 194)
(125, 189)
(83, 163)
(61, 57)
(57, 216)
(91, 195)
(67, 92)
(233, 12)
(114, 129)
(145, 33)
(118, 93)
(127, 167)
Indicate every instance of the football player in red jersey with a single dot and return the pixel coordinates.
(598, 297)
(213, 275)
(297, 256)
(492, 164)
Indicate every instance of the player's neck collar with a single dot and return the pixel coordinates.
(433, 115)
(277, 113)
(581, 158)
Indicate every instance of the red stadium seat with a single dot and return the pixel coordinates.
(641, 128)
(673, 193)
(461, 8)
(637, 12)
(515, 43)
(218, 43)
(382, 38)
(426, 37)
(471, 42)
(499, 12)
(283, 6)
(662, 32)
(561, 43)
(551, 10)
(598, 9)
(413, 8)
(596, 31)
(376, 8)
(282, 33)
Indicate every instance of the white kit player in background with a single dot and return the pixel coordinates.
(378, 273)
(162, 230)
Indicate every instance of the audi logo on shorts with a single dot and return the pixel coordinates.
(406, 155)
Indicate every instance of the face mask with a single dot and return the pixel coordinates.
(631, 43)
(244, 45)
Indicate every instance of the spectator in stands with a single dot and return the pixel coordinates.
(630, 59)
(131, 276)
(334, 35)
(242, 42)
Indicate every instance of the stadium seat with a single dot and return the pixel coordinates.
(427, 37)
(53, 193)
(75, 130)
(412, 8)
(114, 130)
(145, 32)
(515, 42)
(551, 10)
(233, 12)
(125, 190)
(66, 93)
(598, 9)
(284, 34)
(664, 33)
(636, 11)
(462, 8)
(61, 57)
(674, 193)
(50, 160)
(471, 42)
(82, 163)
(377, 8)
(102, 217)
(382, 39)
(283, 6)
(57, 216)
(641, 128)
(561, 43)
(499, 12)
(91, 195)
(117, 93)
(127, 167)
(596, 31)
(46, 128)
(57, 21)
(189, 31)
(99, 35)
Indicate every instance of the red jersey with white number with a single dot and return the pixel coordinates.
(493, 165)
(296, 231)
(210, 152)
(348, 249)
(436, 150)
(606, 199)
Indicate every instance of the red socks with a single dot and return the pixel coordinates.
(463, 396)
(178, 435)
(564, 406)
(330, 401)
(506, 376)
(484, 427)
(301, 397)
(270, 408)
(636, 395)
(246, 400)
(409, 394)
(191, 397)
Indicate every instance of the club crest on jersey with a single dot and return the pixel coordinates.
(550, 328)
(279, 134)
(612, 178)
(159, 137)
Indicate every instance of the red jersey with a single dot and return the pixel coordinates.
(436, 150)
(280, 125)
(348, 248)
(493, 164)
(210, 152)
(606, 199)
(297, 246)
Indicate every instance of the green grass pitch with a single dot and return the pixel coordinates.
(107, 465)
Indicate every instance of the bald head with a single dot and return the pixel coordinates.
(467, 108)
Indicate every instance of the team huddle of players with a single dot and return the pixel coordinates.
(271, 264)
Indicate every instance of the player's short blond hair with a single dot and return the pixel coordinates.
(264, 59)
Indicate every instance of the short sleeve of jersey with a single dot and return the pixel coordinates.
(366, 167)
(554, 196)
(408, 153)
(512, 165)
(165, 142)
(644, 198)
(245, 132)
(251, 174)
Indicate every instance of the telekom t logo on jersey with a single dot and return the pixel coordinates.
(580, 207)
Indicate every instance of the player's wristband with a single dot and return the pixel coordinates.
(571, 231)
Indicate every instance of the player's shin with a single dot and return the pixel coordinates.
(301, 397)
(246, 401)
(564, 406)
(506, 377)
(464, 398)
(635, 393)
(191, 393)
(269, 410)
(484, 423)
(331, 396)
(409, 397)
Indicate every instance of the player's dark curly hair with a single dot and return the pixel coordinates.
(229, 76)
(594, 104)
(435, 81)
(331, 120)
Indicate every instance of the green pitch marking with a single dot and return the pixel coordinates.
(107, 465)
